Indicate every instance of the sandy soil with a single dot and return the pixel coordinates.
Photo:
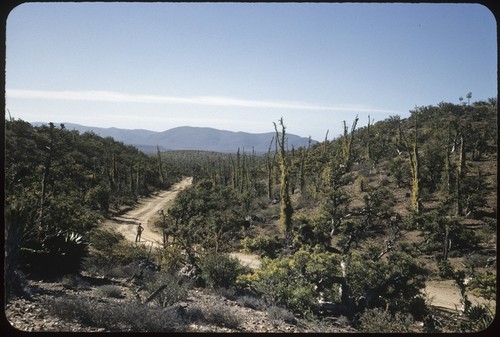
(443, 294)
(144, 213)
(250, 260)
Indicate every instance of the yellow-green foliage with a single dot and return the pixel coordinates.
(262, 245)
(172, 258)
(292, 281)
(361, 183)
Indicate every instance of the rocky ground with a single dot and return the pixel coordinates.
(34, 315)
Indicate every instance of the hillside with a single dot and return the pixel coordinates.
(391, 227)
(190, 138)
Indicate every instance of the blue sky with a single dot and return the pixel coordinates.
(241, 67)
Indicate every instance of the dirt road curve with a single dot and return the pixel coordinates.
(445, 294)
(144, 213)
(442, 294)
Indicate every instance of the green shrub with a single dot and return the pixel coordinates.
(105, 240)
(485, 283)
(172, 258)
(292, 282)
(262, 245)
(220, 270)
(397, 282)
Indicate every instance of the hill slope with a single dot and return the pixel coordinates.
(190, 138)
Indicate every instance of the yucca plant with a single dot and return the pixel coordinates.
(56, 254)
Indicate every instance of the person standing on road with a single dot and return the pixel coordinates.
(139, 232)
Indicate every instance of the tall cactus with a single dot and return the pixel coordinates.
(270, 169)
(368, 139)
(302, 167)
(460, 175)
(160, 166)
(414, 166)
(347, 144)
(286, 210)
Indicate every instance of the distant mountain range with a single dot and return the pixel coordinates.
(190, 138)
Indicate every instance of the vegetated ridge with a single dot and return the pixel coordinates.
(190, 138)
(372, 219)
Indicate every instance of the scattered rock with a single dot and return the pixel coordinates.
(33, 316)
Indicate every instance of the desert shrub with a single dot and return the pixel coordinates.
(110, 291)
(229, 293)
(105, 240)
(400, 170)
(116, 262)
(361, 183)
(292, 282)
(380, 321)
(174, 289)
(127, 252)
(462, 239)
(385, 182)
(220, 315)
(75, 282)
(219, 270)
(394, 283)
(194, 314)
(116, 317)
(251, 302)
(262, 245)
(485, 283)
(172, 258)
(16, 285)
(281, 314)
(56, 253)
(306, 200)
(98, 198)
(478, 318)
(311, 230)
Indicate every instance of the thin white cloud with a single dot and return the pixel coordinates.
(116, 97)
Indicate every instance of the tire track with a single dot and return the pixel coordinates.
(144, 213)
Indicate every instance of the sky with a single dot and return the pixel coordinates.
(241, 67)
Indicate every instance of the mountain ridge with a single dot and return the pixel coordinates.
(189, 138)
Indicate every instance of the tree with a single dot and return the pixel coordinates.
(286, 210)
(469, 96)
(58, 185)
(347, 145)
(160, 165)
(368, 141)
(414, 166)
(302, 180)
(270, 167)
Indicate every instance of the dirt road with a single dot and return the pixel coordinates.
(442, 294)
(144, 213)
(445, 294)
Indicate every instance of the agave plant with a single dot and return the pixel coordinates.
(60, 253)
